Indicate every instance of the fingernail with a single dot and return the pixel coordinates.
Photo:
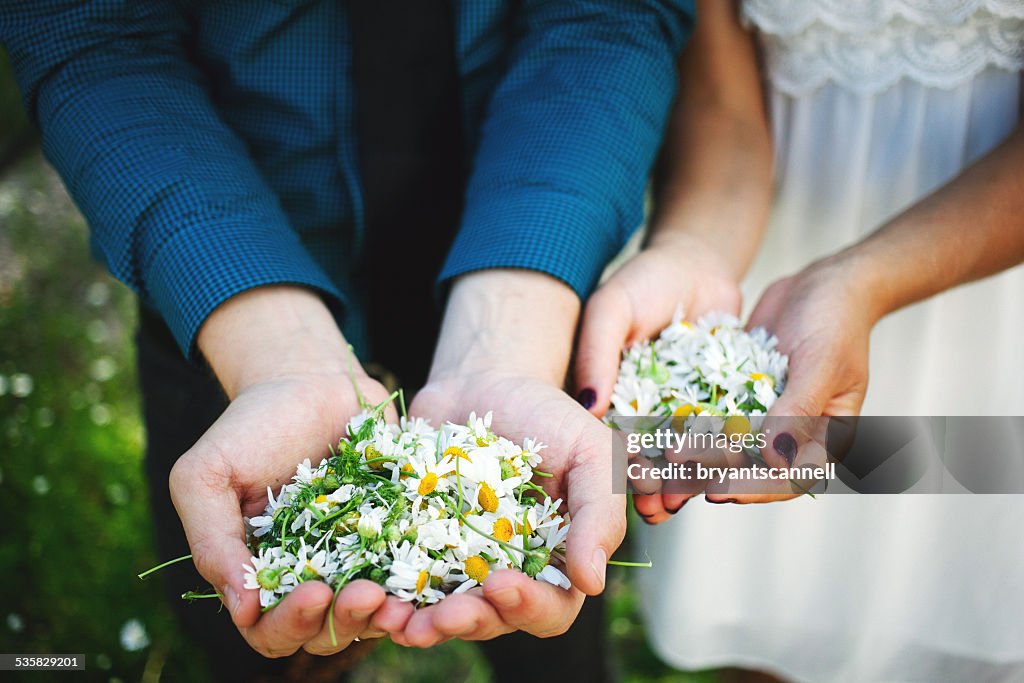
(312, 612)
(507, 597)
(359, 614)
(723, 501)
(587, 397)
(785, 445)
(230, 599)
(673, 511)
(599, 564)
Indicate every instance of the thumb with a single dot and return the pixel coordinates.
(604, 330)
(211, 515)
(795, 418)
(598, 515)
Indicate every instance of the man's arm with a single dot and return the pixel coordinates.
(569, 137)
(557, 186)
(180, 214)
(178, 209)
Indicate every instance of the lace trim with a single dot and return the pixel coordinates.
(788, 17)
(939, 54)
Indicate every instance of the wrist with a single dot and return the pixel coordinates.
(713, 252)
(513, 322)
(856, 277)
(271, 333)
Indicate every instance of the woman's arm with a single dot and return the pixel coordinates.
(968, 229)
(714, 178)
(712, 196)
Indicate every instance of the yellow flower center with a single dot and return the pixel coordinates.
(685, 410)
(758, 376)
(321, 499)
(407, 469)
(455, 452)
(502, 529)
(687, 324)
(481, 442)
(421, 581)
(736, 424)
(477, 568)
(680, 414)
(635, 405)
(487, 498)
(529, 528)
(427, 484)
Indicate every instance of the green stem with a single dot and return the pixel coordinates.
(458, 511)
(621, 563)
(168, 563)
(193, 595)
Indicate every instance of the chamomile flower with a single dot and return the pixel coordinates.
(713, 369)
(423, 512)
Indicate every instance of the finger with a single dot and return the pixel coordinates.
(749, 490)
(420, 630)
(766, 309)
(604, 330)
(210, 512)
(674, 502)
(598, 515)
(795, 418)
(353, 608)
(638, 476)
(469, 616)
(292, 622)
(649, 508)
(533, 606)
(392, 616)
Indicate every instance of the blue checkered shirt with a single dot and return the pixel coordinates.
(211, 145)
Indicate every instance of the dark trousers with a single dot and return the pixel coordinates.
(180, 401)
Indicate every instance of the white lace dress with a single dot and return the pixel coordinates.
(874, 103)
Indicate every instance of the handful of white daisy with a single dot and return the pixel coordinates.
(423, 512)
(712, 370)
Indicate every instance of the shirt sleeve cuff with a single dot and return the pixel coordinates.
(198, 269)
(548, 231)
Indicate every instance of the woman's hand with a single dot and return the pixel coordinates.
(823, 318)
(639, 300)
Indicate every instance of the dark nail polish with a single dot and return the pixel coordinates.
(722, 502)
(785, 445)
(587, 397)
(673, 511)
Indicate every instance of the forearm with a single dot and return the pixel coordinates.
(569, 137)
(178, 209)
(272, 332)
(518, 322)
(968, 229)
(716, 188)
(715, 176)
